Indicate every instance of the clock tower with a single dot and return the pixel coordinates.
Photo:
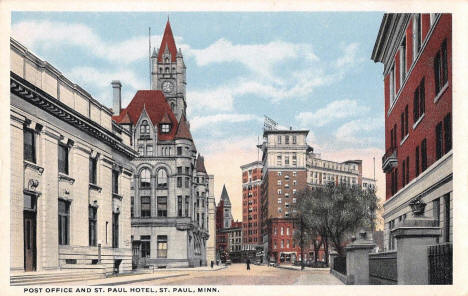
(168, 73)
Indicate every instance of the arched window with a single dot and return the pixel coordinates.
(172, 106)
(166, 60)
(167, 69)
(144, 127)
(145, 178)
(160, 69)
(162, 179)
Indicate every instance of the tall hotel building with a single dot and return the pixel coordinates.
(416, 51)
(251, 206)
(289, 164)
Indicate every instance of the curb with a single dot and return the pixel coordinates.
(140, 280)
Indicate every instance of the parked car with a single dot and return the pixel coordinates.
(228, 262)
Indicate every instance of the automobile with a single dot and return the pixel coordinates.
(273, 263)
(228, 262)
(258, 262)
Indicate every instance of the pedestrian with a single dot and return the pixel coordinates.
(248, 263)
(212, 263)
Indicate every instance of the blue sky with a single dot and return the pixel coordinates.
(305, 70)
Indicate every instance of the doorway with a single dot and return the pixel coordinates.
(29, 232)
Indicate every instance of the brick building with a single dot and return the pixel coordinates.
(416, 51)
(289, 164)
(251, 206)
(171, 188)
(70, 174)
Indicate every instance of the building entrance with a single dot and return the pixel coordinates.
(29, 223)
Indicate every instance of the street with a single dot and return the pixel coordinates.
(236, 274)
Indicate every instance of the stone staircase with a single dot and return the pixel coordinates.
(76, 273)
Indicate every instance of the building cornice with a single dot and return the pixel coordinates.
(34, 95)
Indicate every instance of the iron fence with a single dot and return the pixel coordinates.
(383, 268)
(339, 264)
(440, 264)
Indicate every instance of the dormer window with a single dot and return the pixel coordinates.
(165, 128)
(144, 128)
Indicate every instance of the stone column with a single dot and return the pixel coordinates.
(357, 260)
(413, 237)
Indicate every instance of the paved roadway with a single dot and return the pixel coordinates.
(237, 274)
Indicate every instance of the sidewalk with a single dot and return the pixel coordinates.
(294, 267)
(144, 275)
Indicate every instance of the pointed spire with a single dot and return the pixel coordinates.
(168, 41)
(200, 165)
(166, 119)
(225, 196)
(155, 54)
(183, 131)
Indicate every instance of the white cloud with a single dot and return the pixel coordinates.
(219, 99)
(89, 76)
(258, 58)
(349, 57)
(51, 34)
(334, 110)
(201, 121)
(353, 132)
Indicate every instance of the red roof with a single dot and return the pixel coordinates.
(183, 131)
(157, 108)
(168, 40)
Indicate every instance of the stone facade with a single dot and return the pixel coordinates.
(171, 188)
(70, 174)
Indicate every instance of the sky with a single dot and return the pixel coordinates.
(305, 70)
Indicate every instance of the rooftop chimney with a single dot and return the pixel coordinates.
(117, 96)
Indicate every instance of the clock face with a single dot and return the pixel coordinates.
(167, 86)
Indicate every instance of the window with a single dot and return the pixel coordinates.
(115, 182)
(286, 139)
(416, 163)
(448, 133)
(63, 159)
(145, 206)
(402, 61)
(63, 222)
(286, 160)
(403, 174)
(447, 218)
(132, 206)
(279, 191)
(162, 179)
(278, 161)
(92, 218)
(279, 200)
(404, 123)
(282, 232)
(115, 230)
(279, 139)
(93, 170)
(407, 169)
(419, 102)
(145, 178)
(392, 85)
(165, 128)
(149, 150)
(441, 68)
(187, 182)
(279, 182)
(145, 246)
(179, 206)
(144, 128)
(439, 140)
(187, 199)
(29, 152)
(423, 155)
(294, 159)
(416, 35)
(436, 211)
(162, 206)
(179, 150)
(141, 150)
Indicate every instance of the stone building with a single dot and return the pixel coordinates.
(223, 221)
(70, 174)
(170, 188)
(289, 164)
(416, 52)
